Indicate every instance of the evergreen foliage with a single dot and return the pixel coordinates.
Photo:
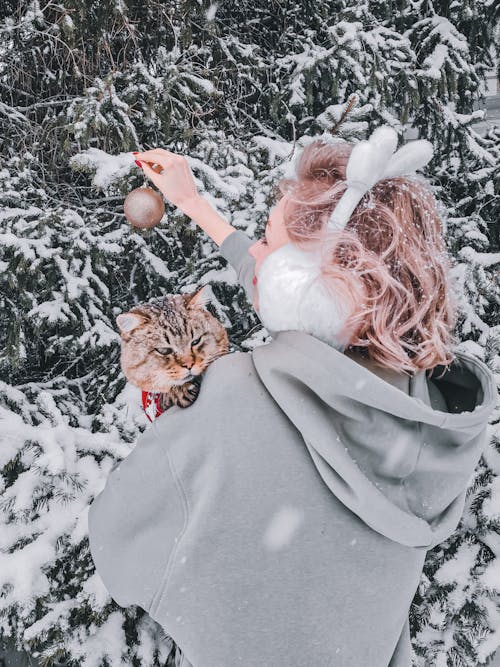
(234, 86)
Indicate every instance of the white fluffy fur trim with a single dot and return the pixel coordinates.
(291, 296)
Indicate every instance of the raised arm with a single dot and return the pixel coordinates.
(174, 179)
(172, 175)
(233, 243)
(203, 213)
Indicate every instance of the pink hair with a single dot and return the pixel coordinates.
(390, 259)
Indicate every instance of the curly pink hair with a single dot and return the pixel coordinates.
(390, 259)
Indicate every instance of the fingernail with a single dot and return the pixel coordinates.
(138, 163)
(135, 152)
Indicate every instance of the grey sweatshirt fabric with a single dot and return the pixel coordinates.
(283, 519)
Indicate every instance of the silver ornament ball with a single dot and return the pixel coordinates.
(144, 208)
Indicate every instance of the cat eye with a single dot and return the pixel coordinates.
(195, 342)
(163, 350)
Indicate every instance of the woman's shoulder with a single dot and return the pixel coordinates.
(230, 374)
(226, 385)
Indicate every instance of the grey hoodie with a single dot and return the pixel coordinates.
(282, 520)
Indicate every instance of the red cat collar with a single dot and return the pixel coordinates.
(151, 404)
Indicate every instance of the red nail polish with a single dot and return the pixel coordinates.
(138, 163)
(135, 152)
(254, 281)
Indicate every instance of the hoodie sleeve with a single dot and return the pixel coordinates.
(135, 522)
(234, 249)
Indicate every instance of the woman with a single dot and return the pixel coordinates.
(283, 519)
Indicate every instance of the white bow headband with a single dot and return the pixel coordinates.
(290, 295)
(371, 161)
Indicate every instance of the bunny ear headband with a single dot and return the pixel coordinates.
(289, 293)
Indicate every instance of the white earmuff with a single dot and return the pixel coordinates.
(291, 296)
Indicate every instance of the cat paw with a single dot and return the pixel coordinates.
(193, 389)
(189, 394)
(183, 396)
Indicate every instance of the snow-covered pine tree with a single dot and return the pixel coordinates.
(455, 615)
(235, 86)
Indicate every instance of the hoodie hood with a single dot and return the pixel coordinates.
(400, 461)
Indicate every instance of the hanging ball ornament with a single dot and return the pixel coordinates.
(144, 207)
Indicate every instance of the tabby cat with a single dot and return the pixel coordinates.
(167, 346)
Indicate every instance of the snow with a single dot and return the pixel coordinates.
(459, 566)
(275, 148)
(57, 310)
(491, 505)
(30, 249)
(159, 266)
(211, 11)
(226, 275)
(80, 264)
(457, 119)
(230, 187)
(449, 45)
(282, 527)
(99, 335)
(491, 575)
(14, 212)
(107, 168)
(204, 84)
(492, 641)
(480, 152)
(260, 337)
(56, 456)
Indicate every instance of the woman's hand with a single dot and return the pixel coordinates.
(174, 179)
(173, 176)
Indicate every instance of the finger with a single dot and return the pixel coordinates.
(154, 153)
(151, 174)
(153, 165)
(158, 155)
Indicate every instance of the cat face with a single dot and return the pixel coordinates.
(170, 343)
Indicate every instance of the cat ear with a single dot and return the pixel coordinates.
(128, 321)
(199, 297)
